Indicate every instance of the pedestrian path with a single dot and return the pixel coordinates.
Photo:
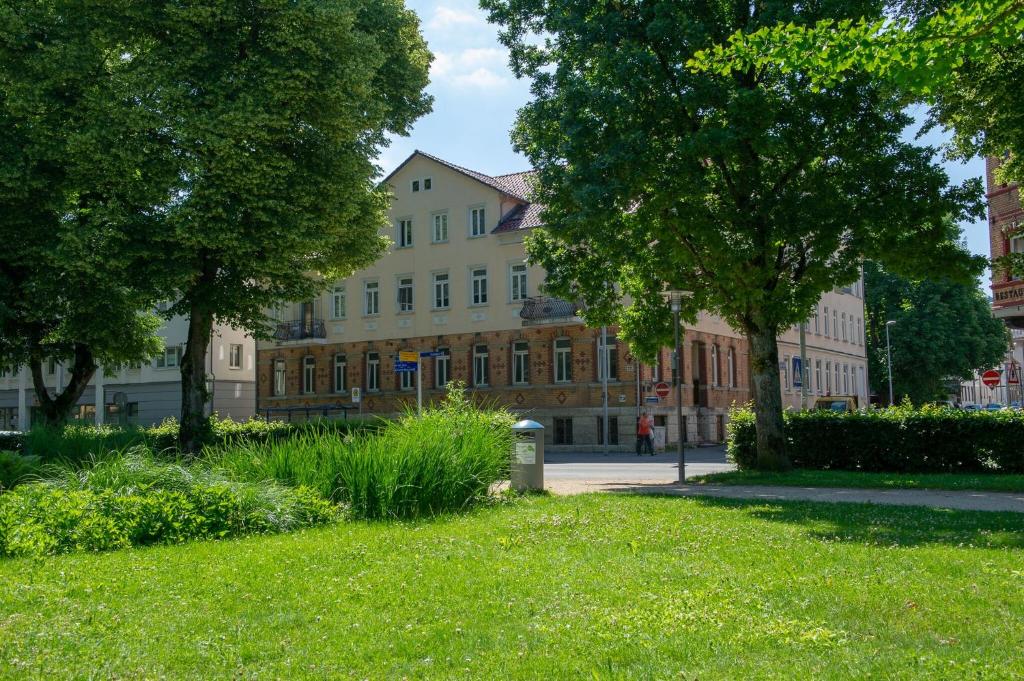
(960, 499)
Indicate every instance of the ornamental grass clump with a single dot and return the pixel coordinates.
(135, 499)
(442, 461)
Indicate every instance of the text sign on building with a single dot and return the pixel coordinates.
(401, 367)
(357, 394)
(408, 356)
(991, 378)
(662, 390)
(433, 353)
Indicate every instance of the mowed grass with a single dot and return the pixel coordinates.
(591, 586)
(811, 478)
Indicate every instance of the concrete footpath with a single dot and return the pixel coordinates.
(960, 500)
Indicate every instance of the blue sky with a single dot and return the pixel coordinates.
(476, 98)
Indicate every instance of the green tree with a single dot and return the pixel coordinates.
(944, 330)
(276, 110)
(751, 189)
(962, 57)
(78, 177)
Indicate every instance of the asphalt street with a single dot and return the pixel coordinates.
(629, 468)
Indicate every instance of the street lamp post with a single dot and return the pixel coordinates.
(675, 300)
(888, 357)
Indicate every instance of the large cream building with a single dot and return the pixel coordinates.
(146, 394)
(456, 280)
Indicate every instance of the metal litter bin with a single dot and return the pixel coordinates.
(528, 456)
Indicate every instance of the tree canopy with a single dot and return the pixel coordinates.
(78, 180)
(750, 188)
(275, 111)
(944, 332)
(963, 57)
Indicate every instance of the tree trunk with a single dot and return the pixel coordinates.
(195, 425)
(56, 409)
(771, 440)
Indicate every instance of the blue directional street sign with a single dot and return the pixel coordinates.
(653, 399)
(405, 366)
(433, 353)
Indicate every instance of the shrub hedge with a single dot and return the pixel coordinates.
(75, 443)
(900, 439)
(135, 500)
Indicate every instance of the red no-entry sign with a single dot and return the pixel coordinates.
(662, 390)
(991, 378)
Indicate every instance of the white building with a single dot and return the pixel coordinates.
(147, 394)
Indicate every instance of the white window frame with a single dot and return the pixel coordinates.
(280, 377)
(835, 324)
(404, 233)
(817, 376)
(521, 362)
(368, 309)
(338, 302)
(477, 221)
(562, 350)
(414, 185)
(340, 369)
(441, 290)
(309, 375)
(428, 183)
(169, 359)
(731, 366)
(785, 373)
(714, 365)
(439, 228)
(478, 285)
(235, 362)
(443, 368)
(518, 273)
(372, 372)
(817, 327)
(481, 366)
(826, 322)
(405, 282)
(613, 349)
(828, 376)
(406, 380)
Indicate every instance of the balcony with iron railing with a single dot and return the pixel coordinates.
(540, 310)
(300, 329)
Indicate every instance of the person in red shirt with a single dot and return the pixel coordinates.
(644, 430)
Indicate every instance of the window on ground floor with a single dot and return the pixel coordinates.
(563, 430)
(613, 430)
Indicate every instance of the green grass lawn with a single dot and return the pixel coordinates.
(810, 478)
(591, 586)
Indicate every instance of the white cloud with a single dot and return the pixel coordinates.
(447, 18)
(475, 67)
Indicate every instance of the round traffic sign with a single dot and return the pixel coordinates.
(991, 378)
(662, 390)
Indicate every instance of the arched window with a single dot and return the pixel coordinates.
(714, 364)
(732, 368)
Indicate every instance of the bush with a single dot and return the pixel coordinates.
(134, 500)
(76, 444)
(442, 461)
(899, 439)
(15, 467)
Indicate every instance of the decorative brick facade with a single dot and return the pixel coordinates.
(1005, 219)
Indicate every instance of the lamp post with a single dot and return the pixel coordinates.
(888, 357)
(675, 300)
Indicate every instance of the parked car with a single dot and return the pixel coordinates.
(971, 407)
(993, 406)
(838, 403)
